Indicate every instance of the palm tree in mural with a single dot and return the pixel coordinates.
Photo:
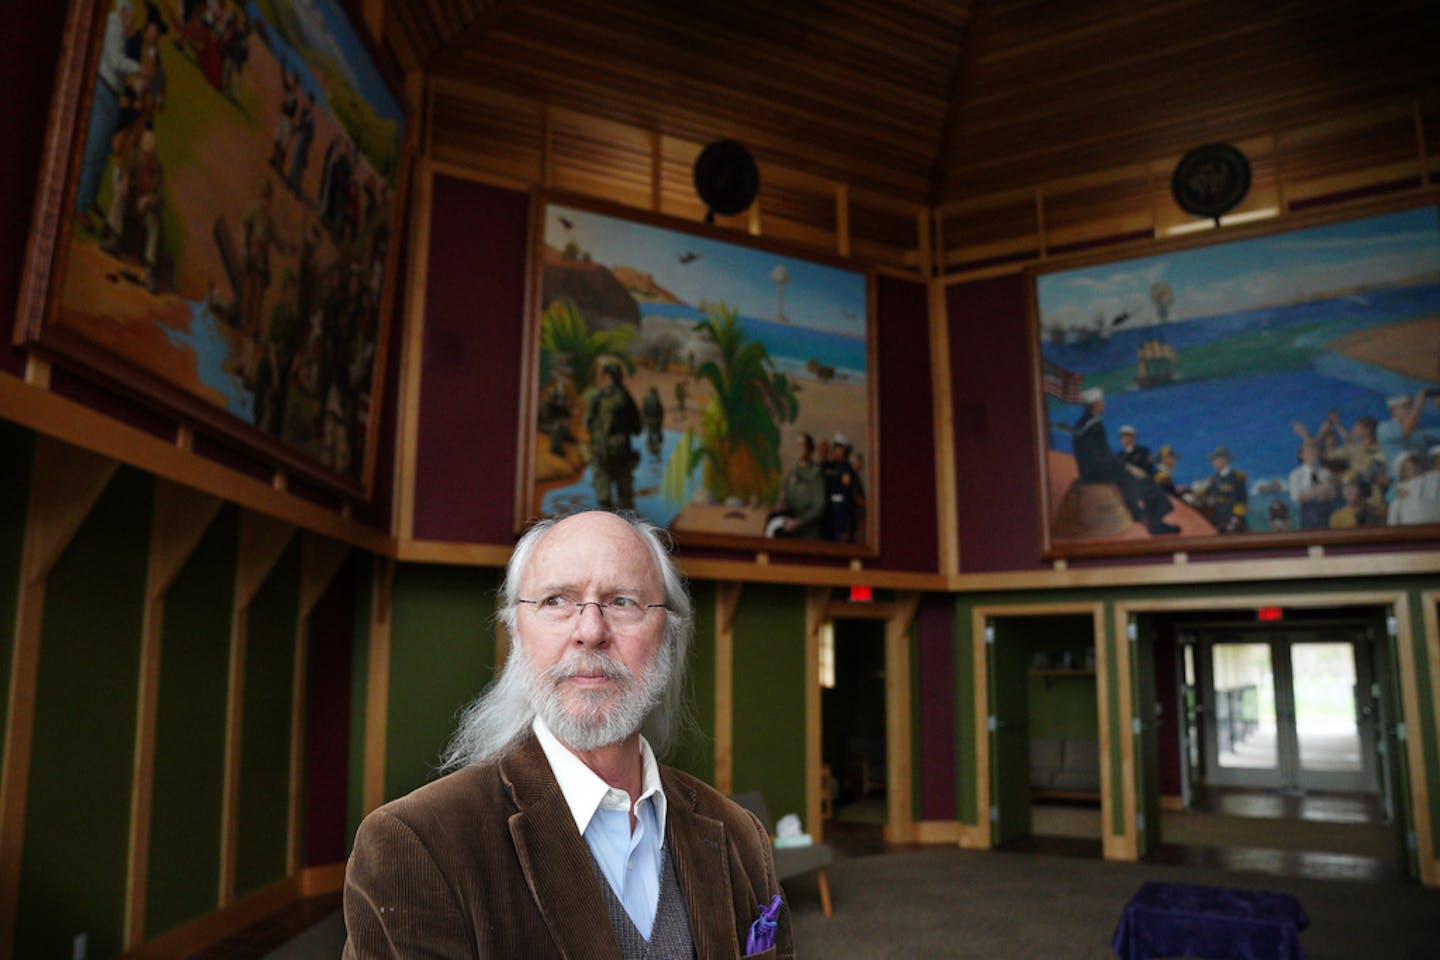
(567, 341)
(738, 443)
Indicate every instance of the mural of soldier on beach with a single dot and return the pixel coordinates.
(1284, 382)
(719, 390)
(229, 231)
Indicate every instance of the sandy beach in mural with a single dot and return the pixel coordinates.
(825, 408)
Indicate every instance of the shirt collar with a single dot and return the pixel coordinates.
(583, 789)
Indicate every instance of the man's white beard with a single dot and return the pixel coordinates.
(587, 719)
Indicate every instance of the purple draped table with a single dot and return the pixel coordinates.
(1184, 920)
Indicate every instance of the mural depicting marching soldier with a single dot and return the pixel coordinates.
(612, 419)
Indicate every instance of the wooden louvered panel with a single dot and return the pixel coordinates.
(707, 114)
(600, 158)
(981, 234)
(1344, 149)
(490, 132)
(875, 226)
(1119, 206)
(798, 207)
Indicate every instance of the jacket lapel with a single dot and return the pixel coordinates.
(553, 856)
(698, 847)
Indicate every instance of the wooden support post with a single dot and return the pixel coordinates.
(900, 817)
(377, 684)
(816, 600)
(727, 601)
(943, 430)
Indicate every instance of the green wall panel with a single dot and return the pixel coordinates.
(184, 880)
(769, 658)
(261, 816)
(77, 815)
(363, 569)
(16, 446)
(694, 750)
(442, 653)
(1112, 703)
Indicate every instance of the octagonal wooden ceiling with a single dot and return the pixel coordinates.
(926, 101)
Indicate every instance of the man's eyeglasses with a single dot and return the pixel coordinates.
(618, 611)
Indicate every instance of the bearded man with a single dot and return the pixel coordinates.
(559, 834)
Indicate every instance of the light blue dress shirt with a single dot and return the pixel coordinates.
(629, 861)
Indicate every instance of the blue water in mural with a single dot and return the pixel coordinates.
(212, 352)
(790, 347)
(649, 502)
(1250, 414)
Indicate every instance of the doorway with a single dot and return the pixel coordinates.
(1044, 733)
(1283, 752)
(854, 740)
(1290, 710)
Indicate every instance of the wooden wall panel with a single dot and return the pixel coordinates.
(184, 857)
(77, 809)
(441, 656)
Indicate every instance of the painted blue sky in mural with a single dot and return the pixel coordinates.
(1283, 268)
(694, 268)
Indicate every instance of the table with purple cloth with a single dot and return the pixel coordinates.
(1185, 920)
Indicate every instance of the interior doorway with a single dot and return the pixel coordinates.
(1044, 728)
(1275, 744)
(853, 728)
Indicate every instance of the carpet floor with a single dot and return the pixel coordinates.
(1195, 828)
(946, 902)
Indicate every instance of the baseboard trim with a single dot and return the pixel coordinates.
(937, 831)
(975, 837)
(232, 918)
(317, 880)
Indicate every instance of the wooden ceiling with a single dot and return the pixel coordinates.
(927, 102)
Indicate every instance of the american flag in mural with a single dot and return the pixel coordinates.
(1061, 383)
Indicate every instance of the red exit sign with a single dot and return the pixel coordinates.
(1269, 614)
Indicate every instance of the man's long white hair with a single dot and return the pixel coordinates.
(500, 717)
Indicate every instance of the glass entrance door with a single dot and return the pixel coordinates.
(1333, 716)
(1242, 742)
(1288, 711)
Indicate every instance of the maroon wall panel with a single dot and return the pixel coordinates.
(995, 482)
(908, 538)
(470, 384)
(378, 510)
(27, 75)
(327, 720)
(934, 631)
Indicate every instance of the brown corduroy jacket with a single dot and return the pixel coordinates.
(486, 863)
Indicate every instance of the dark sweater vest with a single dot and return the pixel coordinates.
(670, 935)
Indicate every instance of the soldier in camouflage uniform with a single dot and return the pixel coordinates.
(803, 499)
(612, 419)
